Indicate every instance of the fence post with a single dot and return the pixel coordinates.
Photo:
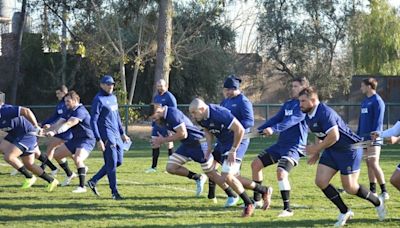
(266, 113)
(126, 118)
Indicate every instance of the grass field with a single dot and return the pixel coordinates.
(160, 199)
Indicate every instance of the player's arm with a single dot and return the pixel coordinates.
(180, 134)
(72, 121)
(173, 102)
(209, 139)
(247, 120)
(393, 131)
(287, 123)
(28, 114)
(94, 117)
(332, 136)
(124, 136)
(379, 114)
(56, 125)
(278, 117)
(238, 132)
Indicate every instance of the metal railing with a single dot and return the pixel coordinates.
(349, 112)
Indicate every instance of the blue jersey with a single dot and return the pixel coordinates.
(175, 118)
(60, 110)
(242, 109)
(371, 116)
(11, 122)
(323, 119)
(218, 122)
(82, 129)
(105, 120)
(166, 99)
(289, 123)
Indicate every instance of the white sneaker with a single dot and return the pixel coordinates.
(14, 172)
(150, 170)
(68, 180)
(200, 184)
(53, 173)
(231, 201)
(342, 218)
(380, 210)
(79, 190)
(258, 204)
(385, 195)
(214, 200)
(285, 213)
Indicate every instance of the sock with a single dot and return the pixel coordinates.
(170, 151)
(333, 195)
(383, 188)
(372, 187)
(46, 177)
(82, 175)
(211, 189)
(43, 158)
(257, 195)
(156, 154)
(246, 199)
(43, 166)
(65, 167)
(25, 172)
(365, 194)
(286, 202)
(193, 176)
(229, 192)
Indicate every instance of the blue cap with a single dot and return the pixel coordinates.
(232, 82)
(107, 79)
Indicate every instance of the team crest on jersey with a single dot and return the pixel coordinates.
(288, 112)
(59, 111)
(114, 107)
(212, 125)
(364, 110)
(4, 122)
(214, 131)
(349, 168)
(320, 134)
(315, 125)
(234, 105)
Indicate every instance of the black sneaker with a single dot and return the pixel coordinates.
(92, 186)
(117, 196)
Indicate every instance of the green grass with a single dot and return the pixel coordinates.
(161, 199)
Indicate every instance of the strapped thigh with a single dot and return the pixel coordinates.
(177, 159)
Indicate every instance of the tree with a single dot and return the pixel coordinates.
(303, 37)
(376, 40)
(18, 53)
(164, 37)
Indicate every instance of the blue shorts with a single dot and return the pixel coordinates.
(277, 151)
(65, 136)
(347, 161)
(116, 152)
(398, 167)
(26, 143)
(192, 151)
(84, 143)
(220, 149)
(158, 129)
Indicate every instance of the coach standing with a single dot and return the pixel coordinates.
(107, 127)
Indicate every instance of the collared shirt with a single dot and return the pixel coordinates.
(13, 123)
(218, 122)
(174, 118)
(323, 119)
(82, 129)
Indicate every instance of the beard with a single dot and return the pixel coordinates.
(306, 110)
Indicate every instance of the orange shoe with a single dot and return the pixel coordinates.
(248, 211)
(267, 198)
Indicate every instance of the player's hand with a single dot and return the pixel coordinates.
(312, 159)
(46, 126)
(157, 141)
(374, 135)
(50, 133)
(207, 154)
(125, 138)
(100, 145)
(231, 157)
(312, 149)
(392, 139)
(268, 131)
